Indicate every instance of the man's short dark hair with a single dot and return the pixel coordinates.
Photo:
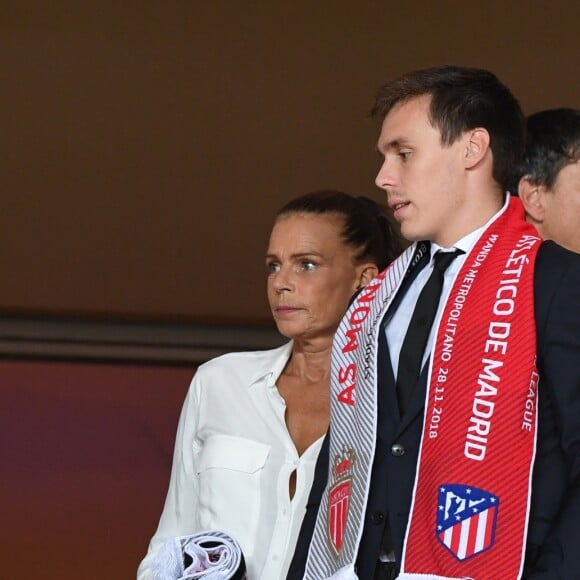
(463, 98)
(552, 142)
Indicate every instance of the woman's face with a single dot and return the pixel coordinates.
(311, 274)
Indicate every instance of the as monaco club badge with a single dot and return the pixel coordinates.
(339, 498)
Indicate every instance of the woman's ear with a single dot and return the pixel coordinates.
(477, 146)
(366, 272)
(532, 197)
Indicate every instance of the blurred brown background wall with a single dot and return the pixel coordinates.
(144, 149)
(145, 146)
(85, 454)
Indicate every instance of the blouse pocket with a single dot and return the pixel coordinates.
(230, 471)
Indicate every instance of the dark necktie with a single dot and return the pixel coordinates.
(413, 347)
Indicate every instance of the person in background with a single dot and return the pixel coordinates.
(253, 422)
(455, 450)
(549, 176)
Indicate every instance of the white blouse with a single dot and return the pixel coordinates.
(232, 463)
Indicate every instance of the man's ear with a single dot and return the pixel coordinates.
(366, 272)
(476, 146)
(532, 198)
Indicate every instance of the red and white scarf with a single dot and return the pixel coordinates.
(472, 487)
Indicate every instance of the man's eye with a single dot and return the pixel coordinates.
(308, 265)
(404, 155)
(273, 267)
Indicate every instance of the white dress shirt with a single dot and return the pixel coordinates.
(232, 464)
(397, 326)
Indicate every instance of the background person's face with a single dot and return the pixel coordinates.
(311, 274)
(562, 209)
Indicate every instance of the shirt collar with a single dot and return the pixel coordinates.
(270, 367)
(466, 243)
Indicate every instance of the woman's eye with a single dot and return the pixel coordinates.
(404, 155)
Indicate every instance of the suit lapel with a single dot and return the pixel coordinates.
(387, 396)
(417, 403)
(388, 407)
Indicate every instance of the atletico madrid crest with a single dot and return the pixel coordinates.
(466, 519)
(339, 498)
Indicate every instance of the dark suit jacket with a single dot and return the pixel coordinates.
(553, 548)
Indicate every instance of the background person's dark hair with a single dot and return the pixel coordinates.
(366, 229)
(552, 142)
(464, 98)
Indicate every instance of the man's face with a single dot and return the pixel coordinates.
(422, 177)
(562, 209)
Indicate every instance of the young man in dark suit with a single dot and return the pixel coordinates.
(473, 468)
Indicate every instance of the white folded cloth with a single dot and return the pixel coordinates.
(207, 555)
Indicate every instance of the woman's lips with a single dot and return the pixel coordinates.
(286, 309)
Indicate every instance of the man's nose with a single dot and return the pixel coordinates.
(386, 177)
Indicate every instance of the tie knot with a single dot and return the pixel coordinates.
(443, 259)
